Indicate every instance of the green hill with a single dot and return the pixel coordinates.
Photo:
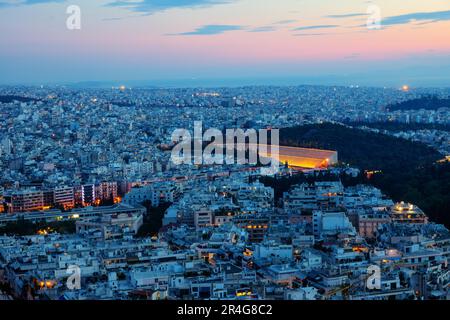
(426, 102)
(366, 150)
(409, 169)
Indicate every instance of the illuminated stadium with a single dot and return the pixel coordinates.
(303, 157)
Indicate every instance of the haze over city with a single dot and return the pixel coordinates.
(226, 42)
(224, 155)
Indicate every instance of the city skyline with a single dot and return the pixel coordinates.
(232, 153)
(229, 42)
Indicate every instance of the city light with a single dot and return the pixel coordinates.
(233, 152)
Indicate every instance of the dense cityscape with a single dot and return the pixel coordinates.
(93, 208)
(201, 159)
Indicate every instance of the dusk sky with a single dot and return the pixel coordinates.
(245, 41)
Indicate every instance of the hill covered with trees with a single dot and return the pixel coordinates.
(10, 98)
(426, 102)
(363, 149)
(409, 170)
(428, 187)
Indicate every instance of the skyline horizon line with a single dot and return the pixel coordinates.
(222, 82)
